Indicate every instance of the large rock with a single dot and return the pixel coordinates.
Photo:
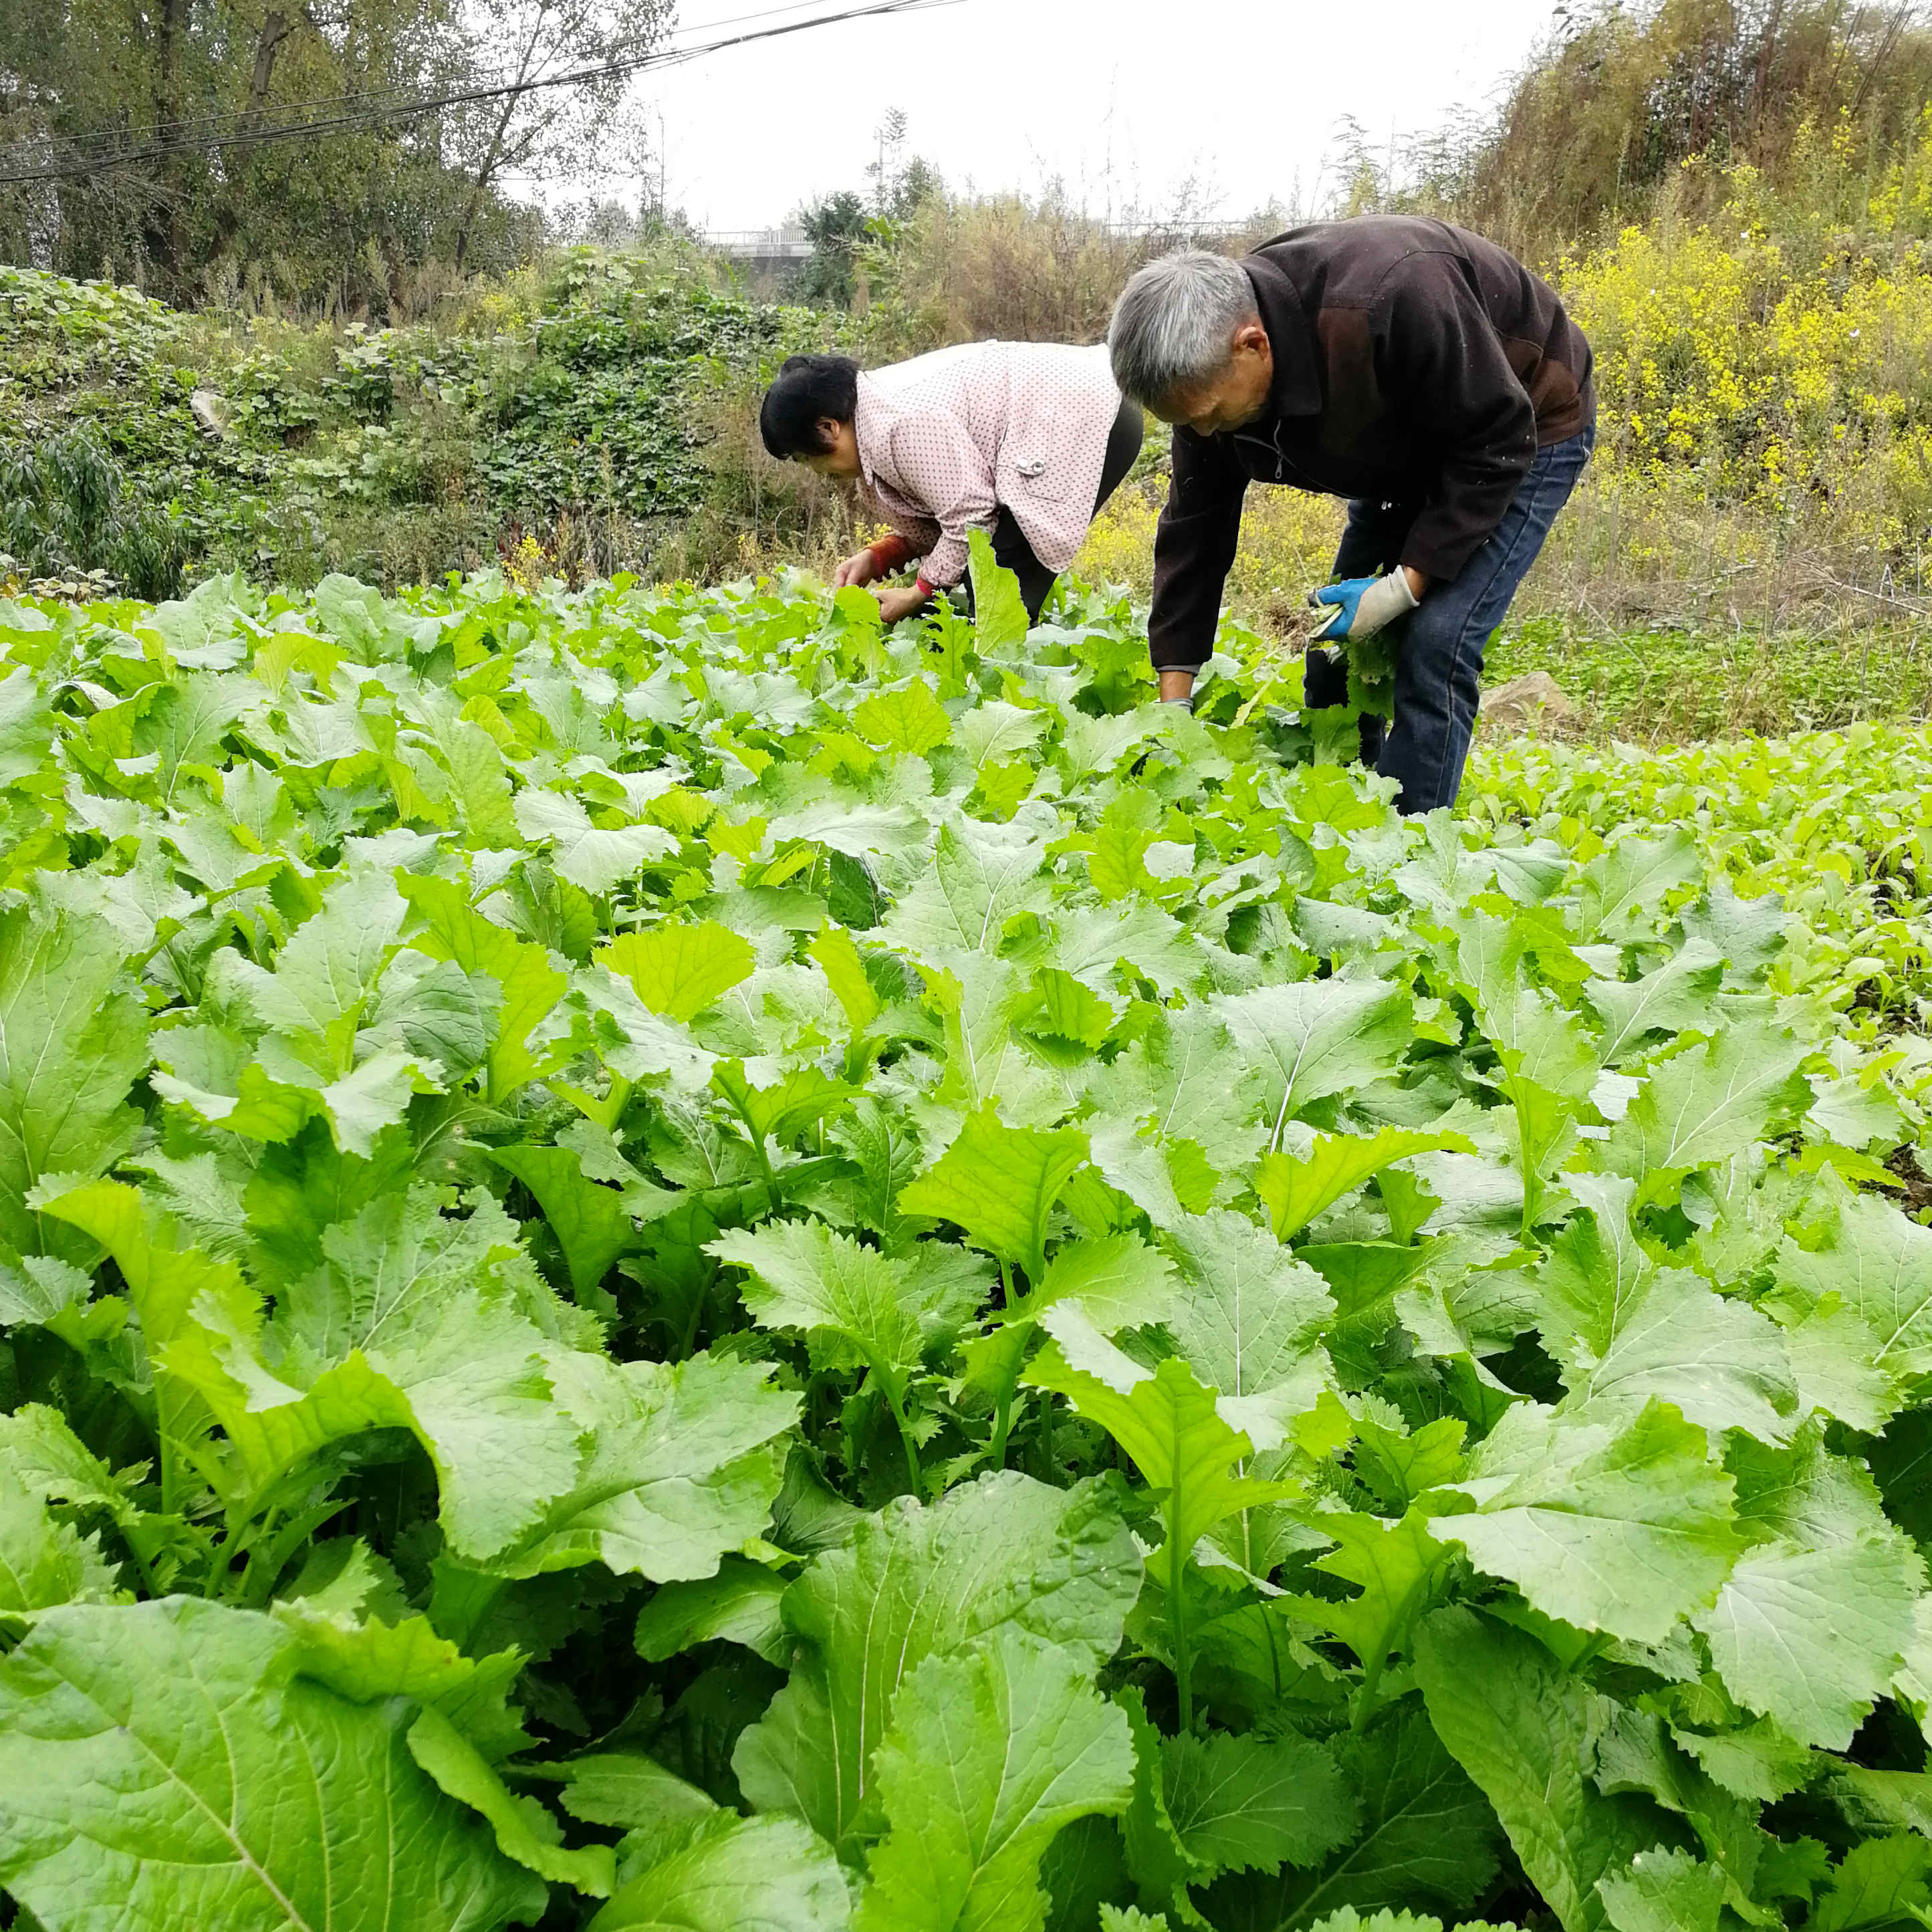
(1533, 701)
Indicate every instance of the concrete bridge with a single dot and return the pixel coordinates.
(764, 256)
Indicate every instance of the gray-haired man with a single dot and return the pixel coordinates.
(1413, 368)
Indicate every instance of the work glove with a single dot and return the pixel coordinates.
(1363, 605)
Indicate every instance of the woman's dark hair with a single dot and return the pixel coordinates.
(808, 389)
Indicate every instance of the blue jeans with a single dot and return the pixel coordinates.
(1439, 646)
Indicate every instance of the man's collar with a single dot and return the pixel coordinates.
(1296, 390)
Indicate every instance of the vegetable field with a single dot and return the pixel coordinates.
(666, 1262)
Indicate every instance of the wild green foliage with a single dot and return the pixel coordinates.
(665, 1260)
(397, 451)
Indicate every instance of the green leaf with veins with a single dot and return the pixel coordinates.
(367, 1660)
(739, 1605)
(1635, 1756)
(1525, 1732)
(1672, 998)
(1398, 1564)
(176, 1292)
(682, 1463)
(725, 1873)
(1705, 1104)
(1816, 1617)
(586, 854)
(631, 1791)
(1627, 1331)
(530, 986)
(525, 1830)
(1158, 1865)
(1000, 1184)
(1663, 1891)
(906, 719)
(1191, 1457)
(1399, 1465)
(326, 973)
(991, 1752)
(590, 1222)
(1880, 1882)
(1000, 617)
(160, 1772)
(43, 1561)
(1316, 1037)
(1295, 1188)
(1246, 1320)
(852, 1300)
(782, 1110)
(1090, 942)
(981, 876)
(70, 1047)
(1877, 1265)
(1623, 1530)
(1426, 1831)
(679, 970)
(40, 1451)
(1623, 889)
(837, 957)
(1255, 1802)
(917, 1582)
(1118, 1280)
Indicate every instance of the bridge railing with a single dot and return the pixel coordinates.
(787, 245)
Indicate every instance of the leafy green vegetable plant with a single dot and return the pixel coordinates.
(666, 1260)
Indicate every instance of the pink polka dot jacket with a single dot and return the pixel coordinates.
(945, 440)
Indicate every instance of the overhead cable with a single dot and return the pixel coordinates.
(294, 120)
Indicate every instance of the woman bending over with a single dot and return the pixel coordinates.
(1024, 440)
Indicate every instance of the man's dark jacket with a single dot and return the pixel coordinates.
(1415, 365)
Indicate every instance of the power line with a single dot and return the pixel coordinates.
(243, 124)
(346, 113)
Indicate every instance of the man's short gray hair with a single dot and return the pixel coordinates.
(1175, 323)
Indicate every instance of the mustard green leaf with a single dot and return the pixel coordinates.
(161, 1771)
(1525, 1732)
(590, 1222)
(589, 856)
(919, 1581)
(524, 1830)
(725, 1873)
(1166, 1421)
(1295, 1189)
(739, 1605)
(681, 1465)
(1618, 1530)
(1000, 1184)
(904, 718)
(1664, 1891)
(71, 1046)
(679, 970)
(1256, 1802)
(991, 1751)
(1315, 1037)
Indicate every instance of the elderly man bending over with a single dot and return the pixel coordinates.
(1416, 369)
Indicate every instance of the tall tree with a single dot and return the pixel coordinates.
(537, 134)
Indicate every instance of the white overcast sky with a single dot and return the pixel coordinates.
(1124, 99)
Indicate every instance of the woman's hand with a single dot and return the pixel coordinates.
(856, 572)
(894, 605)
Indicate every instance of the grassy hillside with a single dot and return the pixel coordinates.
(574, 403)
